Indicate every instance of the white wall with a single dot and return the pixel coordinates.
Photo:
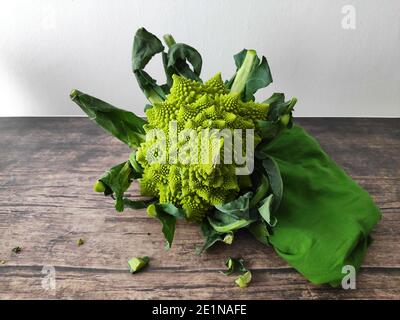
(48, 47)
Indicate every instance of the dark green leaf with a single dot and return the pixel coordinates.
(177, 59)
(261, 191)
(153, 92)
(276, 97)
(234, 265)
(172, 210)
(210, 236)
(117, 180)
(136, 204)
(145, 46)
(275, 180)
(167, 220)
(260, 231)
(124, 125)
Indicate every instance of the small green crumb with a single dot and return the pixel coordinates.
(243, 280)
(228, 239)
(17, 250)
(80, 242)
(136, 264)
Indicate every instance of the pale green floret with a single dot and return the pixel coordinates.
(193, 105)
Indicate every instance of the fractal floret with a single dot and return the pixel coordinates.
(196, 187)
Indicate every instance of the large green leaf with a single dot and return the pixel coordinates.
(124, 125)
(145, 46)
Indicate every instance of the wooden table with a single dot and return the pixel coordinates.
(47, 169)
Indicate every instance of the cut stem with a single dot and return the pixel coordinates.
(169, 40)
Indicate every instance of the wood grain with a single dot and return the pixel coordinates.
(48, 166)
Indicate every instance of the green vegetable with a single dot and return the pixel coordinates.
(243, 280)
(80, 242)
(324, 217)
(137, 264)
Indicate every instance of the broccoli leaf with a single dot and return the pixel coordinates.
(210, 235)
(137, 168)
(172, 210)
(261, 191)
(145, 46)
(238, 207)
(251, 74)
(136, 204)
(260, 231)
(117, 180)
(175, 62)
(124, 125)
(275, 180)
(168, 222)
(234, 265)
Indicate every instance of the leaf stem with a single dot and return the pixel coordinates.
(169, 40)
(244, 72)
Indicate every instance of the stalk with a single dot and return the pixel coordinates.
(169, 40)
(244, 72)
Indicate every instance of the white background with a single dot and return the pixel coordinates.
(48, 47)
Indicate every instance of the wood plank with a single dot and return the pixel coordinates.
(47, 168)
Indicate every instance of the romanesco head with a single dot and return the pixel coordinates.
(193, 107)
